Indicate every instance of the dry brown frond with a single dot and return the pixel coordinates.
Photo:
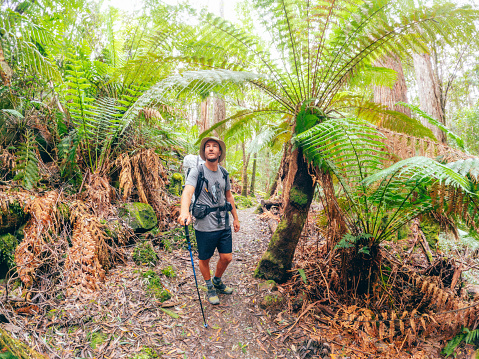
(98, 194)
(7, 160)
(38, 232)
(88, 255)
(406, 146)
(145, 171)
(126, 181)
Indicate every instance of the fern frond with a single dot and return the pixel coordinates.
(458, 140)
(466, 167)
(27, 170)
(172, 87)
(26, 44)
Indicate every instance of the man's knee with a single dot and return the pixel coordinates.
(204, 262)
(226, 257)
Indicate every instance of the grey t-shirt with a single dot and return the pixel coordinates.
(216, 187)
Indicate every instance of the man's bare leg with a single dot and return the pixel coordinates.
(223, 262)
(205, 269)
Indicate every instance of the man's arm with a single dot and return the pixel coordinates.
(185, 205)
(231, 199)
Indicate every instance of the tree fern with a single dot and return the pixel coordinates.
(27, 162)
(381, 198)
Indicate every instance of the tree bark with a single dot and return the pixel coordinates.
(429, 93)
(297, 197)
(253, 176)
(244, 176)
(6, 72)
(203, 122)
(388, 96)
(219, 113)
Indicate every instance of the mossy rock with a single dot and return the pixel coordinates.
(145, 254)
(139, 216)
(8, 243)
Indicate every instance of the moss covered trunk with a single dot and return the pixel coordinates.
(297, 197)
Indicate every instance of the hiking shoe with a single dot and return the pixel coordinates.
(212, 296)
(221, 287)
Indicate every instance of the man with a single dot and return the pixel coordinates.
(213, 231)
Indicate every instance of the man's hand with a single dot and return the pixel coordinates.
(182, 217)
(236, 225)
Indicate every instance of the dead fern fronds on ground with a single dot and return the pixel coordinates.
(39, 232)
(145, 171)
(404, 306)
(98, 194)
(88, 255)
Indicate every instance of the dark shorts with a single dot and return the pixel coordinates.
(208, 241)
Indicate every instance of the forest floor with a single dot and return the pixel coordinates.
(125, 321)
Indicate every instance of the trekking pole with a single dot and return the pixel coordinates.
(194, 273)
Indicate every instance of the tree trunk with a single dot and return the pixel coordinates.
(219, 113)
(297, 197)
(282, 170)
(274, 185)
(203, 122)
(6, 72)
(253, 176)
(390, 96)
(429, 93)
(244, 176)
(268, 170)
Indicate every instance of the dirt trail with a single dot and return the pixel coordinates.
(123, 320)
(237, 326)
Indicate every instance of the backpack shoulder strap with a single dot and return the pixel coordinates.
(199, 181)
(225, 175)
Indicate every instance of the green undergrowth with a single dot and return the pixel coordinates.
(97, 338)
(467, 336)
(147, 353)
(154, 286)
(176, 239)
(169, 272)
(15, 349)
(243, 202)
(144, 254)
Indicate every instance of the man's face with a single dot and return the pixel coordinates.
(212, 151)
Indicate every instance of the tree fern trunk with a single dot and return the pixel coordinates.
(253, 176)
(297, 198)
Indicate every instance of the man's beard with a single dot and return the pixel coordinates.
(212, 159)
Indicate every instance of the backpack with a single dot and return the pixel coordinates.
(191, 161)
